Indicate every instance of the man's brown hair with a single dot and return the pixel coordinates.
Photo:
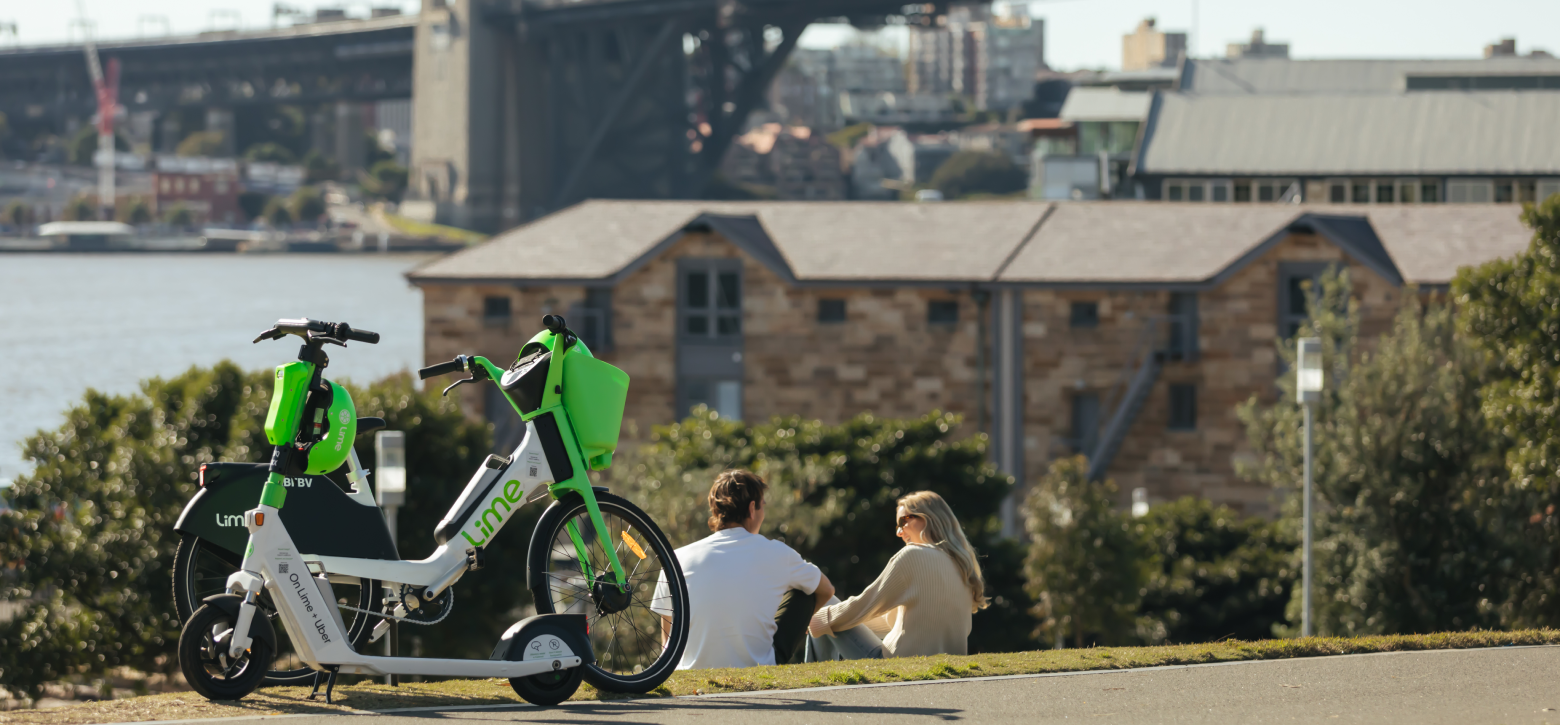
(730, 496)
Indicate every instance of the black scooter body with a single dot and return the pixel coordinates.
(321, 518)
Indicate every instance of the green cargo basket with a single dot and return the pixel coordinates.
(594, 393)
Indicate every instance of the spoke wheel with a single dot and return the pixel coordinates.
(632, 653)
(203, 657)
(201, 570)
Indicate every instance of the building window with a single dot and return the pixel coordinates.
(1084, 314)
(1182, 341)
(831, 311)
(722, 396)
(712, 300)
(496, 311)
(1242, 191)
(1505, 192)
(1175, 191)
(1085, 422)
(1384, 192)
(1546, 188)
(1407, 190)
(1470, 191)
(1219, 191)
(1183, 407)
(941, 312)
(1429, 192)
(1295, 280)
(1359, 192)
(1338, 191)
(592, 318)
(1196, 192)
(1526, 191)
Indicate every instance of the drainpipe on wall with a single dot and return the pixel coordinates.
(982, 304)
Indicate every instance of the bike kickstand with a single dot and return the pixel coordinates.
(330, 684)
(317, 675)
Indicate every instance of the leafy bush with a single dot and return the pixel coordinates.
(253, 203)
(307, 204)
(1213, 574)
(179, 215)
(83, 147)
(318, 167)
(202, 143)
(79, 209)
(1087, 565)
(832, 496)
(276, 213)
(386, 180)
(270, 151)
(89, 538)
(135, 211)
(978, 172)
(18, 213)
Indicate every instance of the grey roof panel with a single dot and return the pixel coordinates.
(1429, 243)
(1245, 76)
(1489, 132)
(1144, 242)
(1105, 104)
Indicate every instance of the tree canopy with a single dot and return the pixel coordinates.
(978, 172)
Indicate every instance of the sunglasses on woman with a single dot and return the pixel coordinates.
(906, 519)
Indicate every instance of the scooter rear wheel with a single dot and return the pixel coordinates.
(203, 657)
(548, 688)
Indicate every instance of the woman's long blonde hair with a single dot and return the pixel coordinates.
(944, 532)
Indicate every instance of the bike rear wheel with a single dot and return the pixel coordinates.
(633, 653)
(201, 569)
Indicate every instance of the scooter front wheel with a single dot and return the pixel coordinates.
(203, 657)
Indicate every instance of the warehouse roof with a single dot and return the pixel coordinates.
(1247, 76)
(1022, 243)
(1488, 132)
(1105, 104)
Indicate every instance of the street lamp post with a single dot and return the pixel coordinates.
(390, 488)
(1308, 391)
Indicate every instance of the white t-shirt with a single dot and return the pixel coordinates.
(736, 580)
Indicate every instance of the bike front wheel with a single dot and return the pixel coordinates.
(637, 636)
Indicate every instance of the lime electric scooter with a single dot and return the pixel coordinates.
(593, 564)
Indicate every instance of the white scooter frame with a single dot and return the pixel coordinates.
(308, 607)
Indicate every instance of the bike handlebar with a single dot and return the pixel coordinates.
(444, 368)
(339, 331)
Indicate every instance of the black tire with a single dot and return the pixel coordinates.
(201, 570)
(548, 688)
(204, 660)
(627, 643)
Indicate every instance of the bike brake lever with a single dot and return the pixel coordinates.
(271, 334)
(455, 384)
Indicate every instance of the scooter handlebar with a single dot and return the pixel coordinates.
(444, 368)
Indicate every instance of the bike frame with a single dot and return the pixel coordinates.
(272, 562)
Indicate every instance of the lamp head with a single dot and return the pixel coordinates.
(1308, 370)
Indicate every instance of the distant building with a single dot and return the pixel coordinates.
(1507, 48)
(886, 108)
(814, 84)
(989, 58)
(1105, 124)
(1148, 47)
(207, 187)
(1354, 132)
(1257, 48)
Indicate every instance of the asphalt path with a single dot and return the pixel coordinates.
(1508, 685)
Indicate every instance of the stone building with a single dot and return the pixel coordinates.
(1128, 331)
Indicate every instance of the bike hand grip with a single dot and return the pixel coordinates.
(554, 324)
(371, 338)
(444, 368)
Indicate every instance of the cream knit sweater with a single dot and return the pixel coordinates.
(920, 602)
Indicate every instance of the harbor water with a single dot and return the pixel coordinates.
(69, 322)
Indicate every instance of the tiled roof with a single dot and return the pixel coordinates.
(1247, 76)
(1078, 243)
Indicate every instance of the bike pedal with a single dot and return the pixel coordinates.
(379, 630)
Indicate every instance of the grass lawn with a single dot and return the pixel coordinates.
(376, 696)
(416, 228)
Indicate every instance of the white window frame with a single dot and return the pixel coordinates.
(1465, 187)
(1546, 187)
(1220, 184)
(1333, 183)
(1409, 184)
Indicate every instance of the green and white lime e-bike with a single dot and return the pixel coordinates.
(593, 564)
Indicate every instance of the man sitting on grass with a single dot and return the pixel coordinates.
(750, 598)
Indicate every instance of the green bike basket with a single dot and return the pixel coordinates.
(594, 393)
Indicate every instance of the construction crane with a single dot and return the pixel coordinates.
(106, 86)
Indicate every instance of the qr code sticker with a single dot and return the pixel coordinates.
(281, 568)
(533, 471)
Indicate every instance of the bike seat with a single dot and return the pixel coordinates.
(369, 425)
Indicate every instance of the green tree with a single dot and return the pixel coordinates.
(1506, 310)
(276, 213)
(253, 203)
(832, 496)
(270, 151)
(1213, 573)
(386, 180)
(1087, 564)
(90, 539)
(18, 213)
(135, 211)
(307, 204)
(202, 143)
(1405, 472)
(179, 215)
(318, 167)
(79, 209)
(83, 146)
(847, 138)
(374, 151)
(978, 172)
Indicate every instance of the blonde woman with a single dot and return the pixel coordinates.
(922, 602)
